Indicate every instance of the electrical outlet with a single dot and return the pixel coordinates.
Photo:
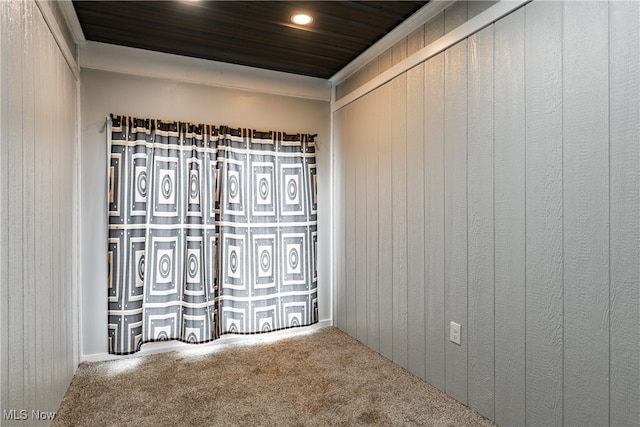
(454, 333)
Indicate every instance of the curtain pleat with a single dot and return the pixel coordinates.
(212, 230)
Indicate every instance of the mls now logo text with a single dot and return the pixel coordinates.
(23, 415)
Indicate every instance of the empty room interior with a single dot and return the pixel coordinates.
(436, 203)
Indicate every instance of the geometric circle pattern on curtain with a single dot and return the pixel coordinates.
(212, 230)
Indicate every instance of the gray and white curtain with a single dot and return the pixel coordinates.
(212, 230)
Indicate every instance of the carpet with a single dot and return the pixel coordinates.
(322, 378)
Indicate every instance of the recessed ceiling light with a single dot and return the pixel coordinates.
(301, 19)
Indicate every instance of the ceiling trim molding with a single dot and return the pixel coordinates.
(403, 30)
(472, 26)
(54, 27)
(69, 12)
(145, 63)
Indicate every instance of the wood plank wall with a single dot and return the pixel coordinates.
(37, 140)
(497, 185)
(452, 17)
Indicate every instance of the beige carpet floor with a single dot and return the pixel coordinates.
(323, 378)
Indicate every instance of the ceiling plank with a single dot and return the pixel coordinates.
(252, 33)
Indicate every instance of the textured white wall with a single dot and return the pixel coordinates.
(498, 185)
(38, 340)
(106, 92)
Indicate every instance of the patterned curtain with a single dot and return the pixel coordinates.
(212, 230)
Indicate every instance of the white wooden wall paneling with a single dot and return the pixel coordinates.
(350, 220)
(65, 186)
(339, 160)
(30, 52)
(435, 334)
(399, 51)
(510, 228)
(455, 215)
(434, 208)
(38, 137)
(66, 156)
(385, 60)
(544, 213)
(624, 296)
(372, 149)
(48, 251)
(50, 257)
(359, 161)
(415, 40)
(15, 223)
(455, 15)
(415, 222)
(474, 7)
(402, 31)
(434, 29)
(57, 263)
(529, 165)
(480, 217)
(398, 123)
(4, 203)
(43, 250)
(64, 43)
(69, 339)
(385, 218)
(586, 213)
(452, 37)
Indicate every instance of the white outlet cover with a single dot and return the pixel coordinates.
(454, 332)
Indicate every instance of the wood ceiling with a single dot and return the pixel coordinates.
(253, 33)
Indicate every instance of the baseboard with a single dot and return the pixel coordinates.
(222, 342)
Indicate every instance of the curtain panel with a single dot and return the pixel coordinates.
(212, 230)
